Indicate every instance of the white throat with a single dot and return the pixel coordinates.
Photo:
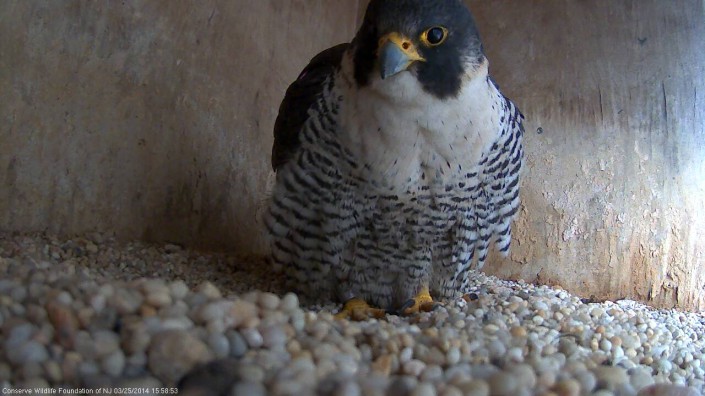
(407, 137)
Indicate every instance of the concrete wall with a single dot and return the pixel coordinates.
(153, 119)
(149, 118)
(614, 193)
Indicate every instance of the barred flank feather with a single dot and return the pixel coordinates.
(337, 236)
(364, 206)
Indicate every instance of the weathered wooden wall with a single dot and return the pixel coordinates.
(150, 118)
(614, 193)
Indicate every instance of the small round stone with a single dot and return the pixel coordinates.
(424, 389)
(524, 375)
(518, 331)
(29, 352)
(159, 299)
(568, 387)
(219, 344)
(605, 345)
(290, 302)
(668, 390)
(51, 368)
(414, 367)
(402, 386)
(476, 387)
(503, 383)
(106, 342)
(238, 344)
(174, 352)
(273, 337)
(453, 356)
(253, 338)
(126, 301)
(609, 377)
(114, 364)
(178, 290)
(209, 290)
(269, 301)
(587, 381)
(451, 390)
(248, 388)
(432, 373)
(242, 312)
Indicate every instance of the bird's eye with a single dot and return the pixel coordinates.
(434, 36)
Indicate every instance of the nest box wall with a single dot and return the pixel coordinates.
(152, 119)
(614, 188)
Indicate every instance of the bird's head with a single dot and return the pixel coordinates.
(436, 41)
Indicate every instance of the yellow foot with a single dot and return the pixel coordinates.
(358, 309)
(421, 303)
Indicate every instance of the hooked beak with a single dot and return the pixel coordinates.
(396, 54)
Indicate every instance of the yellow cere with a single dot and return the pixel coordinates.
(404, 43)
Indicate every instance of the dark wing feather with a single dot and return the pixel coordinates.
(300, 96)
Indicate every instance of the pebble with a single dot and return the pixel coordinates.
(238, 344)
(126, 301)
(114, 364)
(64, 321)
(19, 334)
(219, 344)
(159, 299)
(568, 387)
(209, 290)
(524, 375)
(475, 387)
(587, 380)
(402, 386)
(503, 383)
(51, 368)
(69, 366)
(29, 352)
(289, 303)
(453, 356)
(269, 301)
(173, 353)
(432, 373)
(253, 338)
(273, 337)
(248, 388)
(242, 312)
(348, 388)
(178, 290)
(105, 342)
(383, 364)
(32, 370)
(64, 324)
(414, 367)
(668, 390)
(640, 378)
(609, 377)
(424, 389)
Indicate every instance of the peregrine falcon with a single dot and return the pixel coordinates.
(397, 162)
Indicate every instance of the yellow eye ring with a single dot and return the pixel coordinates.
(434, 36)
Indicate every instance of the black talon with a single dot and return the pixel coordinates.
(408, 304)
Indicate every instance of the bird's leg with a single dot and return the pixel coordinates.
(358, 309)
(421, 303)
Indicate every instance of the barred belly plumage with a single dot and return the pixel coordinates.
(338, 234)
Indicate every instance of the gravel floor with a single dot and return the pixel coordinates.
(89, 314)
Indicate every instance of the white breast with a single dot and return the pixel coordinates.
(407, 137)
